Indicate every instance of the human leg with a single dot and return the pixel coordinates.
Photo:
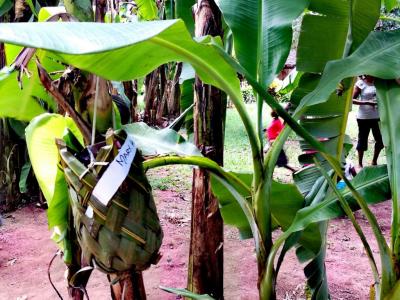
(360, 158)
(376, 132)
(362, 143)
(282, 159)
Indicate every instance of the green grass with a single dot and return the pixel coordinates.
(237, 154)
(172, 178)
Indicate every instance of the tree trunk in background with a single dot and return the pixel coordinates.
(205, 270)
(2, 54)
(175, 97)
(22, 11)
(151, 86)
(131, 91)
(162, 105)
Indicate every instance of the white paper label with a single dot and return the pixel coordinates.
(89, 211)
(116, 172)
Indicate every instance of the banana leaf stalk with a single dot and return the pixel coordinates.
(61, 101)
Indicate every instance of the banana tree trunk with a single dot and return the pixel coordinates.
(151, 87)
(130, 286)
(205, 270)
(175, 97)
(131, 91)
(22, 11)
(162, 105)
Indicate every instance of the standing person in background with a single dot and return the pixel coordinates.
(367, 117)
(272, 132)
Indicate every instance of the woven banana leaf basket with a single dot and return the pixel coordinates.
(124, 235)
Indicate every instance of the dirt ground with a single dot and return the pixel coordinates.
(25, 251)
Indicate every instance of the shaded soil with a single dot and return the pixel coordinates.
(25, 251)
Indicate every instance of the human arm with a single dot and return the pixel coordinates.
(356, 94)
(359, 102)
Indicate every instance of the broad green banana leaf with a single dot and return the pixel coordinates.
(80, 9)
(48, 11)
(147, 9)
(5, 6)
(389, 101)
(333, 30)
(286, 200)
(18, 127)
(395, 293)
(125, 51)
(262, 33)
(376, 56)
(391, 4)
(230, 210)
(28, 99)
(323, 34)
(152, 142)
(23, 177)
(40, 138)
(16, 103)
(372, 183)
(183, 10)
(315, 270)
(364, 16)
(43, 153)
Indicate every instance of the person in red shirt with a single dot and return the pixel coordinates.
(272, 132)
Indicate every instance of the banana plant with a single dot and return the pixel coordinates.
(123, 50)
(388, 93)
(327, 121)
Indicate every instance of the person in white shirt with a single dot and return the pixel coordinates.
(364, 95)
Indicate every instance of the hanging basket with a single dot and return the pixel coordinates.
(123, 235)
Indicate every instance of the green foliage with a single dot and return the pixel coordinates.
(40, 136)
(262, 33)
(80, 9)
(183, 10)
(230, 209)
(262, 36)
(113, 43)
(23, 179)
(377, 56)
(389, 101)
(147, 9)
(154, 142)
(390, 4)
(25, 99)
(5, 6)
(186, 293)
(28, 98)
